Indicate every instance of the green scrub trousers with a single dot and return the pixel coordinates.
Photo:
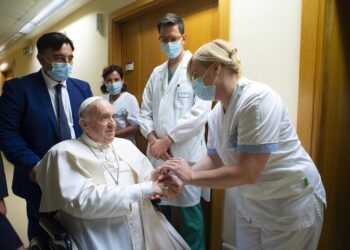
(191, 225)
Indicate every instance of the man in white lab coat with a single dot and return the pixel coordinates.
(100, 186)
(173, 121)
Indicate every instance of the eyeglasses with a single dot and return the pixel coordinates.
(164, 39)
(62, 58)
(59, 58)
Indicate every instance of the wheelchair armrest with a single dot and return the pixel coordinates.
(56, 231)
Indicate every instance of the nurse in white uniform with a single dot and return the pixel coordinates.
(125, 104)
(252, 144)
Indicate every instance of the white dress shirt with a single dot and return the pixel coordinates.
(50, 84)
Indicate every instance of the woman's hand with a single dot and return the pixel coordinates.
(180, 167)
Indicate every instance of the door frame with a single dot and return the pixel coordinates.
(311, 75)
(114, 56)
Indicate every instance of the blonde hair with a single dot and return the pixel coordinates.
(220, 51)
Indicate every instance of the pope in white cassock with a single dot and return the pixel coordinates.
(100, 185)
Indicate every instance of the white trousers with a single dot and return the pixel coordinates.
(253, 238)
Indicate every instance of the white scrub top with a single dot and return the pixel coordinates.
(172, 109)
(256, 121)
(127, 112)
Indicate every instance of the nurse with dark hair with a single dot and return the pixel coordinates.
(125, 104)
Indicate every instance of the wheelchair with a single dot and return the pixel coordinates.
(58, 236)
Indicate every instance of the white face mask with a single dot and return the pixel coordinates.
(203, 91)
(172, 50)
(60, 71)
(114, 88)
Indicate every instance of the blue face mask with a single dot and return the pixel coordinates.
(204, 92)
(172, 50)
(114, 88)
(60, 71)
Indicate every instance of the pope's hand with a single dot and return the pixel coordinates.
(180, 167)
(158, 172)
(168, 187)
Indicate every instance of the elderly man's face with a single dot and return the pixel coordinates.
(99, 124)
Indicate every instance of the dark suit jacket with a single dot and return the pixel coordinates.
(28, 126)
(3, 186)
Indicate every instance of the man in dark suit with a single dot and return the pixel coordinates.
(8, 237)
(36, 112)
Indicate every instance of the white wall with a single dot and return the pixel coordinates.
(267, 35)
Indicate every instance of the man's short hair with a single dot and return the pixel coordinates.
(52, 40)
(171, 19)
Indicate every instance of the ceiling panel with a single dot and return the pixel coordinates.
(14, 14)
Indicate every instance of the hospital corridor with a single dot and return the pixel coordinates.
(174, 124)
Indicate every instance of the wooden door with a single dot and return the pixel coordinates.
(334, 150)
(324, 114)
(200, 21)
(140, 46)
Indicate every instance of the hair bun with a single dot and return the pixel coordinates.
(232, 52)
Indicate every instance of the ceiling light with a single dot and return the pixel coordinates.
(27, 28)
(3, 66)
(35, 22)
(43, 15)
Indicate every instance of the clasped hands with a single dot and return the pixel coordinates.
(170, 177)
(159, 147)
(165, 185)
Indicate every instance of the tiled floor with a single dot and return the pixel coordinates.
(16, 207)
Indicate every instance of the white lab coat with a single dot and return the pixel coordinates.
(172, 109)
(98, 213)
(256, 121)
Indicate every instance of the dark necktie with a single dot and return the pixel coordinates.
(64, 131)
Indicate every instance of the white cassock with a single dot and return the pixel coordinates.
(172, 109)
(101, 195)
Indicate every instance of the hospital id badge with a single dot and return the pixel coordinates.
(183, 94)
